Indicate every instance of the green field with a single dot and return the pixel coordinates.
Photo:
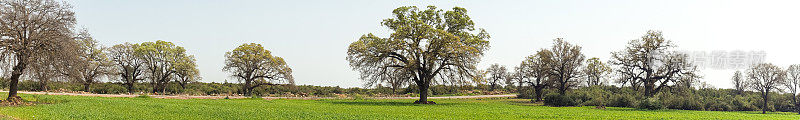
(78, 107)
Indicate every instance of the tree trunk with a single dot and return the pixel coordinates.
(86, 87)
(794, 101)
(648, 89)
(43, 85)
(562, 88)
(15, 74)
(764, 107)
(246, 89)
(423, 94)
(539, 92)
(491, 86)
(130, 88)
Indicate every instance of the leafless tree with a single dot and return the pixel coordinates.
(497, 73)
(793, 83)
(764, 78)
(31, 29)
(92, 62)
(739, 82)
(650, 62)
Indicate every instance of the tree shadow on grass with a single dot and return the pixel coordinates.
(386, 103)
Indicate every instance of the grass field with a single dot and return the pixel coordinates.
(78, 107)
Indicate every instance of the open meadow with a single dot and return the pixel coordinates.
(80, 107)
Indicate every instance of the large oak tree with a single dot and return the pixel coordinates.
(535, 71)
(255, 66)
(127, 65)
(651, 62)
(564, 64)
(425, 42)
(160, 60)
(30, 29)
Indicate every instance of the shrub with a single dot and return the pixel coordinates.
(526, 94)
(650, 104)
(557, 100)
(622, 100)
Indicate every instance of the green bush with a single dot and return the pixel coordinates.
(650, 104)
(557, 100)
(622, 100)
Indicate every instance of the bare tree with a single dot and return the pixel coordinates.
(31, 29)
(739, 82)
(793, 83)
(497, 73)
(649, 61)
(256, 66)
(564, 63)
(92, 62)
(127, 64)
(518, 76)
(764, 78)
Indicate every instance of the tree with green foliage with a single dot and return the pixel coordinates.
(255, 66)
(33, 29)
(793, 83)
(127, 64)
(595, 70)
(651, 62)
(536, 72)
(565, 64)
(160, 60)
(426, 43)
(186, 71)
(497, 73)
(764, 78)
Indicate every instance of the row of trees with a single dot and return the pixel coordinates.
(433, 46)
(765, 78)
(37, 41)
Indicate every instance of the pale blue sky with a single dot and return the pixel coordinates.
(313, 35)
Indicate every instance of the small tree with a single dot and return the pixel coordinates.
(497, 73)
(764, 78)
(739, 82)
(186, 71)
(595, 70)
(793, 83)
(255, 66)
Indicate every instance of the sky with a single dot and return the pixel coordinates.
(312, 36)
